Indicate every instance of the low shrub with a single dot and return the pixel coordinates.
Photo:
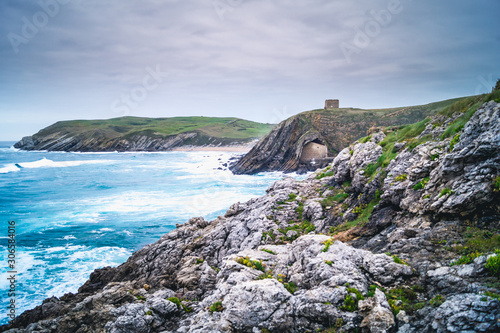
(269, 233)
(398, 260)
(324, 174)
(446, 191)
(371, 290)
(291, 287)
(454, 141)
(434, 157)
(466, 259)
(216, 307)
(437, 301)
(177, 301)
(330, 200)
(365, 139)
(300, 210)
(268, 251)
(327, 243)
(418, 288)
(479, 242)
(266, 275)
(255, 264)
(351, 303)
(401, 178)
(404, 298)
(496, 184)
(492, 295)
(370, 169)
(482, 241)
(493, 264)
(421, 184)
(364, 214)
(358, 294)
(359, 209)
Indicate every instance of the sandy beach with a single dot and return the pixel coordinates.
(239, 149)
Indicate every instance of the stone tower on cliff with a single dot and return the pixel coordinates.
(331, 104)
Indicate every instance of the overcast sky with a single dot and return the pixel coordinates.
(262, 60)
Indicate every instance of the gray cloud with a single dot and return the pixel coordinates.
(241, 58)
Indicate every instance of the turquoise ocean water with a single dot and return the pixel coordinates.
(75, 212)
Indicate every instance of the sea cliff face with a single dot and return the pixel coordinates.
(139, 142)
(399, 233)
(280, 150)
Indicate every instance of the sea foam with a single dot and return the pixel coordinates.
(46, 163)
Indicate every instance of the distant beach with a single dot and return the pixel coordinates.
(242, 149)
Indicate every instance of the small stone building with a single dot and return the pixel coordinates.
(313, 150)
(331, 104)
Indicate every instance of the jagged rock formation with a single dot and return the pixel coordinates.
(143, 134)
(387, 264)
(281, 149)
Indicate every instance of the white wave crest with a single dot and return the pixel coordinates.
(9, 168)
(46, 163)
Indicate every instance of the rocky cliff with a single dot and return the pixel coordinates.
(143, 134)
(399, 233)
(281, 149)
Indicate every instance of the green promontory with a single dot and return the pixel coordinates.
(144, 134)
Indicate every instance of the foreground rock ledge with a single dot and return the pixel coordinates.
(267, 265)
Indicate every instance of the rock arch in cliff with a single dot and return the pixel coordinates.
(313, 150)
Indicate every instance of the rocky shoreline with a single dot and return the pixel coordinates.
(400, 233)
(139, 143)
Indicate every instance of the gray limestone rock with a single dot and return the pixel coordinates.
(302, 279)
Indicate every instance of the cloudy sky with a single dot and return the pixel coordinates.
(262, 60)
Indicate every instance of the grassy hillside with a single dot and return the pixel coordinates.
(336, 128)
(395, 114)
(341, 126)
(128, 126)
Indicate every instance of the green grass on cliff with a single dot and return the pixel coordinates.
(127, 126)
(467, 105)
(404, 133)
(476, 242)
